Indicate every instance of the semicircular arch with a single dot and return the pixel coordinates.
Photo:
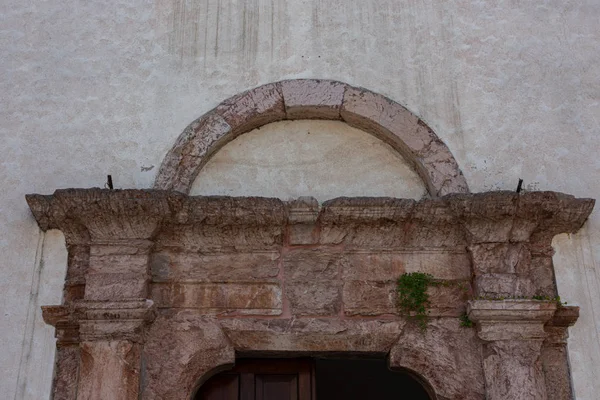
(312, 99)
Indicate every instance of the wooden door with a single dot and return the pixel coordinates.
(262, 380)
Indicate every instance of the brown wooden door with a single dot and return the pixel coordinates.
(262, 380)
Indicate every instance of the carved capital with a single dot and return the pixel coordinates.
(92, 321)
(114, 320)
(510, 319)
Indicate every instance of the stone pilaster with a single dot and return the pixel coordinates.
(68, 356)
(112, 319)
(513, 331)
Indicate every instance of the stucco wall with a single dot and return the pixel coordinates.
(322, 159)
(92, 88)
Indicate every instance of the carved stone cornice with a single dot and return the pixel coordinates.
(557, 328)
(510, 319)
(564, 317)
(66, 322)
(97, 214)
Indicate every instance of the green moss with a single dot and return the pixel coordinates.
(465, 322)
(413, 299)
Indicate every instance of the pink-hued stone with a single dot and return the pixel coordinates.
(410, 136)
(225, 276)
(109, 370)
(313, 99)
(437, 349)
(191, 151)
(259, 298)
(253, 108)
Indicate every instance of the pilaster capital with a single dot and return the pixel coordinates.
(510, 319)
(102, 320)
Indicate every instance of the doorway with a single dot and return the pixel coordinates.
(310, 379)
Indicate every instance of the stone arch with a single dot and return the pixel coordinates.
(312, 99)
(183, 351)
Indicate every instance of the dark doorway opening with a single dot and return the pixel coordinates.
(311, 379)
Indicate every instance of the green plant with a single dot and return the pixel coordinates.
(413, 299)
(465, 321)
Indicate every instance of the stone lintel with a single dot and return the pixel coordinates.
(510, 319)
(316, 335)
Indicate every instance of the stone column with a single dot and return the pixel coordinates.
(513, 331)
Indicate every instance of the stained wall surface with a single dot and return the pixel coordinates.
(322, 159)
(89, 88)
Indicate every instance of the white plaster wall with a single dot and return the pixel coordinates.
(322, 159)
(89, 88)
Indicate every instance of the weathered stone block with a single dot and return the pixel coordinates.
(315, 265)
(312, 334)
(373, 266)
(255, 298)
(372, 112)
(444, 346)
(409, 135)
(252, 109)
(228, 238)
(542, 276)
(303, 234)
(319, 297)
(181, 165)
(116, 286)
(440, 264)
(513, 370)
(369, 298)
(118, 263)
(504, 285)
(313, 99)
(182, 346)
(391, 236)
(500, 258)
(389, 266)
(449, 298)
(109, 370)
(65, 381)
(77, 264)
(555, 364)
(193, 267)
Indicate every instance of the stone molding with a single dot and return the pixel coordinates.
(510, 319)
(93, 321)
(312, 99)
(525, 347)
(164, 289)
(112, 216)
